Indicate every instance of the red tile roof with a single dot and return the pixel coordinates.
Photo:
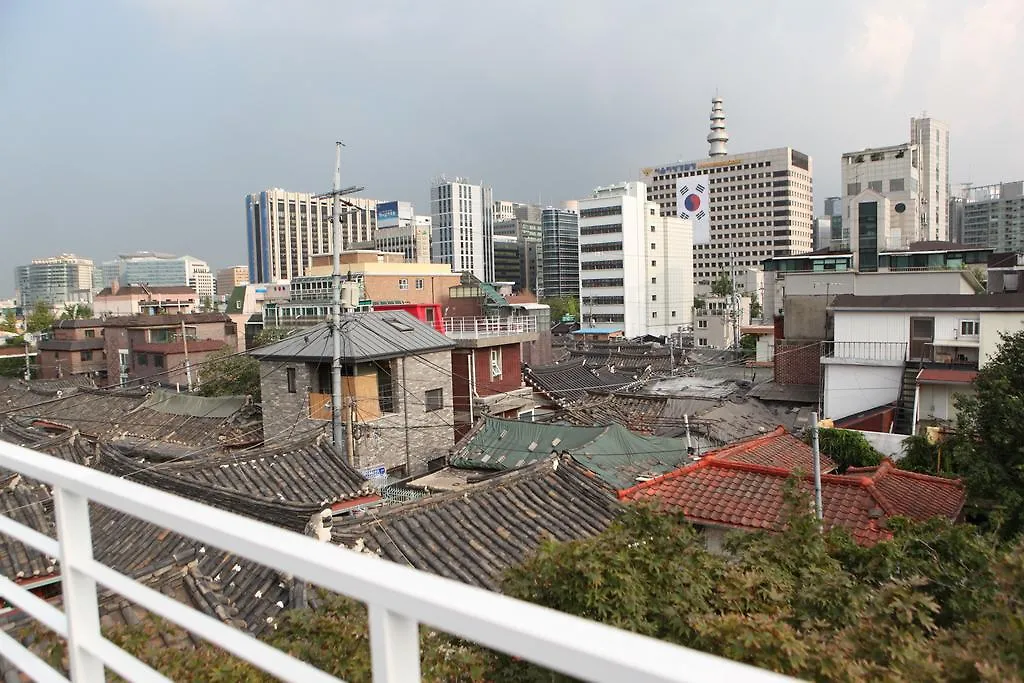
(727, 492)
(940, 376)
(775, 449)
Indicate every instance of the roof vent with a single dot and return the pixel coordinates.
(532, 447)
(555, 441)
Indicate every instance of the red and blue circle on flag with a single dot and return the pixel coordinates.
(692, 202)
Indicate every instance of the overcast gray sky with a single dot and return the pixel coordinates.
(128, 125)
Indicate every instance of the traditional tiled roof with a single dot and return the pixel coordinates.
(724, 490)
(29, 504)
(283, 486)
(569, 381)
(616, 455)
(776, 449)
(474, 535)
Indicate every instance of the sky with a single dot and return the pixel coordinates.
(132, 125)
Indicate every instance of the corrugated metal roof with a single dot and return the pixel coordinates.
(945, 376)
(366, 336)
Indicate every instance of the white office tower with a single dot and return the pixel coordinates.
(161, 270)
(888, 179)
(636, 267)
(462, 230)
(759, 204)
(57, 281)
(931, 137)
(718, 136)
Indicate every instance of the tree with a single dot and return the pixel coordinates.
(723, 286)
(41, 318)
(227, 373)
(76, 312)
(748, 344)
(988, 447)
(848, 448)
(9, 323)
(755, 307)
(206, 305)
(562, 306)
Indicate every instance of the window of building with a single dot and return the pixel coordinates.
(654, 263)
(290, 375)
(86, 355)
(654, 314)
(158, 361)
(654, 280)
(653, 229)
(433, 399)
(89, 334)
(654, 297)
(702, 324)
(701, 341)
(896, 185)
(403, 283)
(875, 185)
(673, 314)
(495, 363)
(419, 283)
(141, 359)
(653, 245)
(969, 328)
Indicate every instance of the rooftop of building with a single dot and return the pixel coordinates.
(744, 487)
(979, 302)
(146, 290)
(365, 336)
(903, 146)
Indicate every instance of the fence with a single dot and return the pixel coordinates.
(489, 327)
(865, 350)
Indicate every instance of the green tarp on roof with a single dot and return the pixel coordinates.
(616, 455)
(164, 401)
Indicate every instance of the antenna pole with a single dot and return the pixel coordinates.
(337, 417)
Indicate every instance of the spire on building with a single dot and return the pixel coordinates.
(717, 137)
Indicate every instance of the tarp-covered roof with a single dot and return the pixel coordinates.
(618, 456)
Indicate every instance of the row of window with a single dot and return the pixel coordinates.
(602, 265)
(143, 359)
(607, 229)
(403, 283)
(601, 246)
(602, 211)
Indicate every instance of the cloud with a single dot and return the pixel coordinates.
(978, 53)
(881, 47)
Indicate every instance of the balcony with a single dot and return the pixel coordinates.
(399, 599)
(863, 353)
(476, 332)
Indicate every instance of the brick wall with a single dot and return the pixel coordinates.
(798, 362)
(387, 288)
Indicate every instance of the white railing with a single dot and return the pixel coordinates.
(398, 598)
(461, 328)
(865, 350)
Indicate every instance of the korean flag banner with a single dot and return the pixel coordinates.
(693, 202)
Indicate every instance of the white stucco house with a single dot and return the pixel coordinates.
(886, 350)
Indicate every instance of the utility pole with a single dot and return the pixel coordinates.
(818, 512)
(341, 416)
(28, 367)
(734, 301)
(188, 366)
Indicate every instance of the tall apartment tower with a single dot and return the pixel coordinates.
(761, 203)
(636, 266)
(284, 229)
(560, 253)
(931, 137)
(993, 216)
(57, 281)
(229, 278)
(462, 218)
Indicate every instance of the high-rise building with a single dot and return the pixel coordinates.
(892, 173)
(507, 261)
(560, 253)
(761, 203)
(931, 137)
(58, 281)
(993, 216)
(636, 266)
(164, 270)
(284, 229)
(526, 228)
(833, 206)
(822, 232)
(229, 278)
(462, 222)
(399, 229)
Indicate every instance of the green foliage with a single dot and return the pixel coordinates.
(41, 318)
(988, 449)
(9, 323)
(76, 312)
(227, 373)
(699, 303)
(848, 448)
(723, 286)
(269, 335)
(748, 344)
(563, 305)
(920, 455)
(206, 304)
(755, 307)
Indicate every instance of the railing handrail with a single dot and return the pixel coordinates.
(399, 598)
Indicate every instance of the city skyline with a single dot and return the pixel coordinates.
(162, 116)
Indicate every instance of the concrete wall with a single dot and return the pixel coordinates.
(805, 316)
(992, 324)
(854, 388)
(936, 402)
(889, 445)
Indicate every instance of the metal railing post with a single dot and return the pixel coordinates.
(394, 646)
(79, 589)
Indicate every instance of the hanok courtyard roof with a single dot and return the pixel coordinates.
(735, 488)
(570, 380)
(616, 455)
(474, 535)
